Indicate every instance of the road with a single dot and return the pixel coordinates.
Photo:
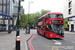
(41, 43)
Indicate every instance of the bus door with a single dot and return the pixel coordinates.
(45, 25)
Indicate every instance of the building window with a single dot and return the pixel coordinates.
(72, 19)
(70, 0)
(70, 11)
(4, 1)
(8, 1)
(0, 9)
(13, 1)
(16, 2)
(70, 4)
(0, 1)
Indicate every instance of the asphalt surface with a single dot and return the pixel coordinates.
(41, 43)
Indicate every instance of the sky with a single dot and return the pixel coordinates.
(38, 5)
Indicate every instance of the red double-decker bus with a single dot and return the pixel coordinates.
(51, 25)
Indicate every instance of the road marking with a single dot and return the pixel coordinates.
(73, 42)
(46, 45)
(52, 47)
(29, 42)
(57, 42)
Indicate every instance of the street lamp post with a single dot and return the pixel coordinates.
(29, 10)
(28, 25)
(17, 32)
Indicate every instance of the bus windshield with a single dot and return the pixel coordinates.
(57, 28)
(55, 15)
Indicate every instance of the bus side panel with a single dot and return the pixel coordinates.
(40, 32)
(49, 34)
(37, 28)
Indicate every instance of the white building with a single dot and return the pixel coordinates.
(69, 12)
(8, 13)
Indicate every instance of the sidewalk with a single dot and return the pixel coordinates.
(68, 32)
(7, 41)
(24, 38)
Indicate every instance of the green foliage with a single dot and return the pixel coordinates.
(22, 0)
(43, 12)
(33, 18)
(23, 20)
(65, 23)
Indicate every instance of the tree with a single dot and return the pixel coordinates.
(39, 14)
(65, 23)
(43, 12)
(23, 11)
(33, 17)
